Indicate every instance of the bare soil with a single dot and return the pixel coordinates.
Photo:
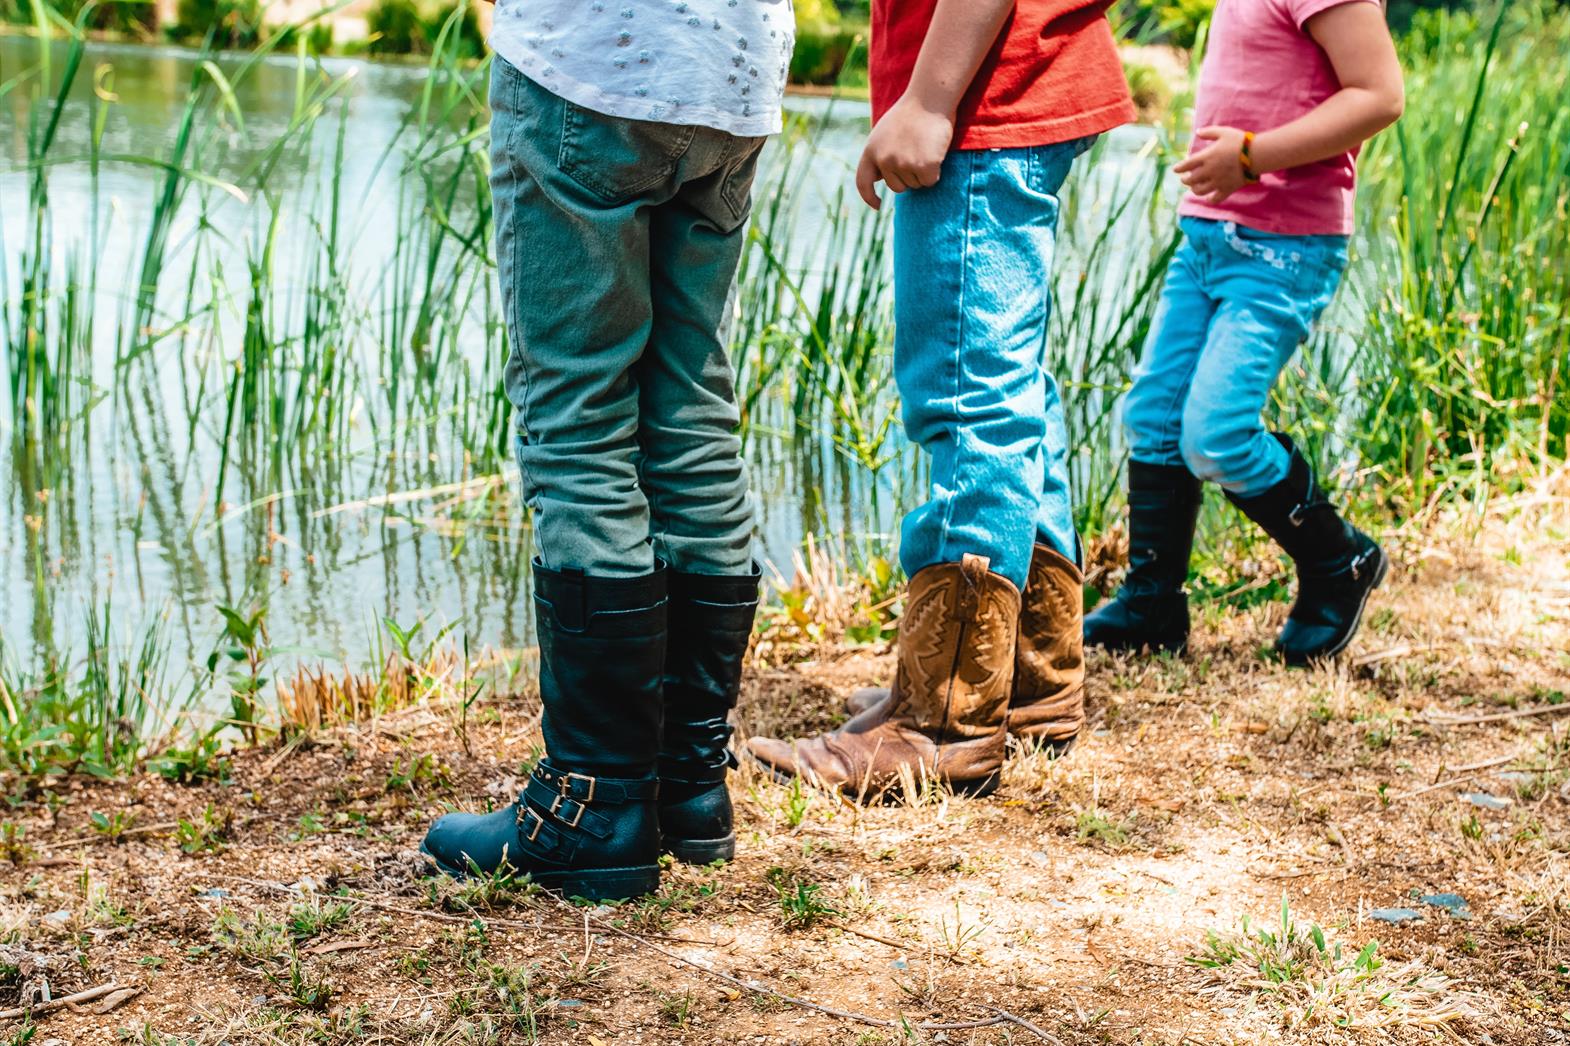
(1433, 759)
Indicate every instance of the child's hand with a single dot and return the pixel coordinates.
(905, 150)
(1216, 171)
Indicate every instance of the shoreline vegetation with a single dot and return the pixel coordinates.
(830, 59)
(136, 786)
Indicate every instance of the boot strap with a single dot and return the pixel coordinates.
(566, 798)
(586, 789)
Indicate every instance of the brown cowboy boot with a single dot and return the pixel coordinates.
(1048, 703)
(945, 714)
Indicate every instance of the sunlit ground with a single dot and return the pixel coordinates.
(1100, 898)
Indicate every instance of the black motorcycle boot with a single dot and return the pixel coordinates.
(1151, 609)
(1338, 566)
(587, 823)
(710, 626)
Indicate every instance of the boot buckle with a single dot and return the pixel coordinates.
(564, 784)
(539, 822)
(1295, 517)
(556, 805)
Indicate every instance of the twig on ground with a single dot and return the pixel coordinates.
(1443, 719)
(869, 936)
(74, 999)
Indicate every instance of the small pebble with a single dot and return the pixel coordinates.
(1453, 903)
(1396, 916)
(1486, 801)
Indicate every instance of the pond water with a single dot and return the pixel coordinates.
(175, 493)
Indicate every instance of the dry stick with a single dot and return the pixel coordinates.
(154, 829)
(1447, 783)
(65, 1000)
(1520, 713)
(870, 936)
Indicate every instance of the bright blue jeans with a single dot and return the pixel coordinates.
(1236, 305)
(972, 294)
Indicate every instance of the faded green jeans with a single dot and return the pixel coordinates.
(617, 243)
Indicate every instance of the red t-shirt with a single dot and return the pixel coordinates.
(1054, 75)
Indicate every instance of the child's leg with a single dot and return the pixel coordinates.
(1153, 410)
(692, 470)
(1151, 609)
(572, 239)
(1270, 291)
(972, 268)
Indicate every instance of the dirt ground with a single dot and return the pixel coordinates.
(1100, 898)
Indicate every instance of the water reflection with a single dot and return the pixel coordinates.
(255, 434)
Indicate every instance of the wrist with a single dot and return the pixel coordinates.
(933, 101)
(1263, 152)
(1246, 160)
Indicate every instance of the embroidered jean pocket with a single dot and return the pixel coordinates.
(618, 159)
(1285, 254)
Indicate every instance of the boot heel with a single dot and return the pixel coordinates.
(602, 884)
(702, 851)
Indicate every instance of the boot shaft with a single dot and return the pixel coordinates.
(602, 663)
(957, 642)
(1163, 511)
(1048, 701)
(1298, 517)
(710, 628)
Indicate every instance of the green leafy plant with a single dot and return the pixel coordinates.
(205, 833)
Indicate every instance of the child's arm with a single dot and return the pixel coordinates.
(1357, 40)
(907, 147)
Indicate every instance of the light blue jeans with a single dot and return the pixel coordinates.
(1236, 306)
(972, 295)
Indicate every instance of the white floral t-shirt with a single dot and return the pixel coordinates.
(714, 63)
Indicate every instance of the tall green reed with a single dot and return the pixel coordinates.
(1462, 367)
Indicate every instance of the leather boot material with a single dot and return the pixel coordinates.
(711, 621)
(945, 717)
(1338, 566)
(1047, 702)
(1150, 610)
(586, 824)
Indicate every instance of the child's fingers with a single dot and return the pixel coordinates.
(1209, 134)
(894, 181)
(867, 176)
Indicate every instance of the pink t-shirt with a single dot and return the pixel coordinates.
(1262, 70)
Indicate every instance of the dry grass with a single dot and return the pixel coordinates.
(1100, 897)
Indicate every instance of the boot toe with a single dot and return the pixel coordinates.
(462, 843)
(778, 757)
(1301, 643)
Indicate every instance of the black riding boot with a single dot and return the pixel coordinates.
(1151, 609)
(710, 625)
(586, 824)
(1337, 564)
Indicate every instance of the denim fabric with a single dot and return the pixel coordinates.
(617, 243)
(1236, 305)
(972, 294)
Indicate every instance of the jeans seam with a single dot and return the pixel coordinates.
(965, 238)
(515, 324)
(1180, 391)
